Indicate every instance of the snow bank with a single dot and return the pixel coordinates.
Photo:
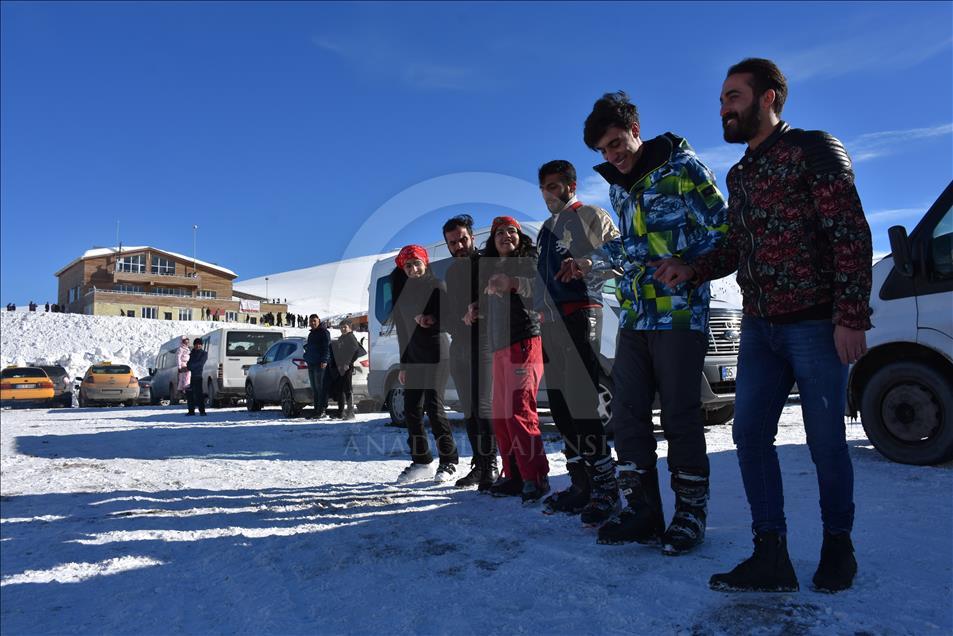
(75, 341)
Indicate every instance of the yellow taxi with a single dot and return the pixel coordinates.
(25, 386)
(108, 383)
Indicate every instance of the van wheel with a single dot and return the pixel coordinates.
(605, 403)
(289, 408)
(718, 416)
(212, 399)
(907, 412)
(251, 403)
(395, 403)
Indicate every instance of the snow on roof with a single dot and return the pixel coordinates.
(106, 251)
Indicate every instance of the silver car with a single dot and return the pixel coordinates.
(281, 377)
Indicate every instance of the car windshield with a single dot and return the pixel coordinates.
(249, 343)
(54, 372)
(111, 369)
(23, 373)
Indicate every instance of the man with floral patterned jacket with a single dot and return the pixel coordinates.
(668, 205)
(801, 245)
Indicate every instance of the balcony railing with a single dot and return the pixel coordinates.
(191, 280)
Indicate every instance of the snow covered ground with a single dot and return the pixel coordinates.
(143, 520)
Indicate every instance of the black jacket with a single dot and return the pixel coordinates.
(318, 348)
(344, 353)
(511, 317)
(414, 296)
(197, 358)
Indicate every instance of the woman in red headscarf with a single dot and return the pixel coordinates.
(508, 269)
(424, 363)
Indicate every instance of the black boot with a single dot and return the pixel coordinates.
(641, 520)
(490, 474)
(475, 476)
(508, 486)
(573, 499)
(769, 569)
(838, 566)
(603, 492)
(687, 529)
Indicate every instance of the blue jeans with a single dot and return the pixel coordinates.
(772, 358)
(318, 393)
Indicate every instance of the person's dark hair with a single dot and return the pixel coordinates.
(612, 109)
(197, 341)
(461, 220)
(525, 248)
(558, 166)
(346, 321)
(765, 75)
(314, 316)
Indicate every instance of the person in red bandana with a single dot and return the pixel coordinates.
(513, 330)
(424, 363)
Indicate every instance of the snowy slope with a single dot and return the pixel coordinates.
(328, 290)
(76, 341)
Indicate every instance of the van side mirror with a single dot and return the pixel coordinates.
(261, 360)
(152, 371)
(900, 246)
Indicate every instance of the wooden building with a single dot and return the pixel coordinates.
(147, 282)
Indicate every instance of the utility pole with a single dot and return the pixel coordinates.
(194, 232)
(266, 289)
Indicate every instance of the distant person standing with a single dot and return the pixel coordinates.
(182, 359)
(197, 358)
(317, 353)
(344, 352)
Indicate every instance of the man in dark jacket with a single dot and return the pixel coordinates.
(195, 365)
(801, 246)
(571, 311)
(471, 363)
(317, 352)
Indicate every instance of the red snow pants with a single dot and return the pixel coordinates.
(517, 371)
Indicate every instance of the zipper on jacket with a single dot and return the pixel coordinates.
(744, 207)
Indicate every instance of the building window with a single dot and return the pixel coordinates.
(71, 294)
(135, 264)
(148, 312)
(167, 315)
(172, 291)
(128, 289)
(131, 313)
(206, 293)
(163, 266)
(231, 316)
(185, 314)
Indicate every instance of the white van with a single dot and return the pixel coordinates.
(717, 381)
(165, 374)
(903, 385)
(231, 351)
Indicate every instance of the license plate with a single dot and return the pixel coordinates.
(728, 374)
(25, 386)
(112, 390)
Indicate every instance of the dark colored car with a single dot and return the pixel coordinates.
(145, 390)
(62, 384)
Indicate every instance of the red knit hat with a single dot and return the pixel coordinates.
(409, 252)
(503, 221)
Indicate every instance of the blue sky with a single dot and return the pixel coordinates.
(295, 134)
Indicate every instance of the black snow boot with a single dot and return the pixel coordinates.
(533, 491)
(478, 466)
(769, 569)
(687, 529)
(511, 486)
(603, 493)
(490, 474)
(838, 566)
(573, 499)
(641, 520)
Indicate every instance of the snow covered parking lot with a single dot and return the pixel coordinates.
(142, 520)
